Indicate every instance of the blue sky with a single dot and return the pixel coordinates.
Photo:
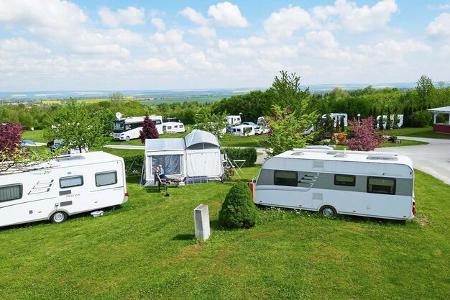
(118, 45)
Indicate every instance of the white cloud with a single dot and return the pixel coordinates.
(194, 16)
(156, 64)
(20, 46)
(286, 21)
(40, 14)
(440, 26)
(227, 14)
(204, 32)
(159, 24)
(171, 41)
(125, 16)
(354, 18)
(324, 39)
(392, 51)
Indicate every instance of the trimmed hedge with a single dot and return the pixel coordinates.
(249, 154)
(238, 209)
(133, 164)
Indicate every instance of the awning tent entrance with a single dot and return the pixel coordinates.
(196, 155)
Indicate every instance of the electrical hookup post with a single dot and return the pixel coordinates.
(201, 219)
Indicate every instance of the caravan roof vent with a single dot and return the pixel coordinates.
(383, 156)
(297, 153)
(69, 157)
(340, 154)
(319, 147)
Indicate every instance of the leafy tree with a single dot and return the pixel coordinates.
(363, 137)
(342, 123)
(328, 125)
(149, 130)
(287, 131)
(388, 119)
(238, 209)
(381, 120)
(213, 123)
(117, 96)
(78, 126)
(288, 94)
(424, 89)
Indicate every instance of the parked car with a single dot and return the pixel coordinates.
(258, 130)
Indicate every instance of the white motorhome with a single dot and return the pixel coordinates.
(398, 125)
(173, 127)
(126, 129)
(234, 120)
(337, 118)
(62, 187)
(371, 184)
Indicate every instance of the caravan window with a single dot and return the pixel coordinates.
(10, 192)
(288, 178)
(170, 163)
(105, 178)
(71, 181)
(345, 180)
(381, 185)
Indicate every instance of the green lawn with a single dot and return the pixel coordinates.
(426, 132)
(35, 136)
(146, 249)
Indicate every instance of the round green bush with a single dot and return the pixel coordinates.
(238, 209)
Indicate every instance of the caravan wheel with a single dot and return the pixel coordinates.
(328, 211)
(58, 217)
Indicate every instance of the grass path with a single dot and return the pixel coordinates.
(146, 249)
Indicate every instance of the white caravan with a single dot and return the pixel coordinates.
(395, 126)
(337, 118)
(173, 127)
(371, 184)
(62, 187)
(126, 129)
(234, 120)
(243, 130)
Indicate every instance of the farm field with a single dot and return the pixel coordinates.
(146, 249)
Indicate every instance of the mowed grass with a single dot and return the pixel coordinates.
(425, 132)
(146, 249)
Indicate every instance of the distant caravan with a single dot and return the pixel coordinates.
(65, 186)
(126, 129)
(371, 184)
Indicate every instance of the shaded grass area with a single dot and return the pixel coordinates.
(146, 249)
(426, 132)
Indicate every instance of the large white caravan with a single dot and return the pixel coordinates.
(243, 130)
(336, 117)
(372, 184)
(62, 187)
(234, 120)
(126, 129)
(173, 127)
(398, 125)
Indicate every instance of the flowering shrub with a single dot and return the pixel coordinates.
(363, 136)
(340, 138)
(10, 138)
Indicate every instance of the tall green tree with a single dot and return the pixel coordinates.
(425, 90)
(213, 123)
(78, 126)
(292, 116)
